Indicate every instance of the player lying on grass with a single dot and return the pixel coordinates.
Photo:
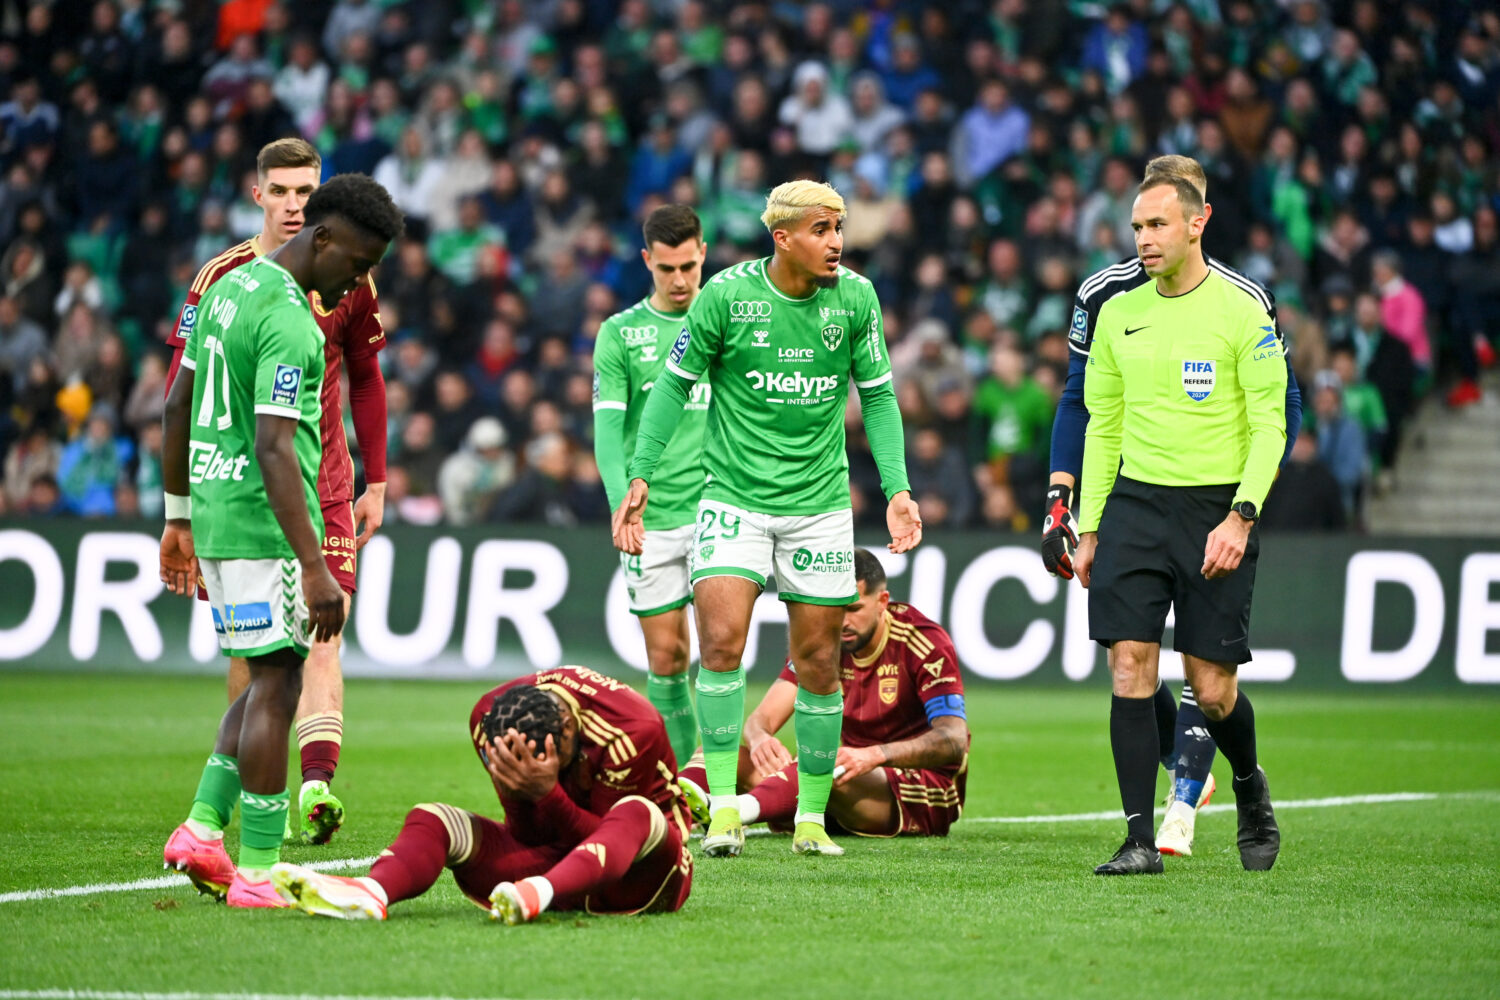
(903, 754)
(240, 457)
(583, 768)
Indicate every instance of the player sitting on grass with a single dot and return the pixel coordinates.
(240, 458)
(904, 750)
(583, 768)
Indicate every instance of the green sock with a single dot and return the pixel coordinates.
(262, 823)
(218, 790)
(721, 711)
(672, 699)
(819, 719)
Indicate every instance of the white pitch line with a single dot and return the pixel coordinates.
(1328, 803)
(172, 881)
(161, 882)
(120, 995)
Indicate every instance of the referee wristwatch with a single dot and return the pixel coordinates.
(1247, 510)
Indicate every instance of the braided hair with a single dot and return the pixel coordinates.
(528, 710)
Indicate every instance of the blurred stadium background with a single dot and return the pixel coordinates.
(989, 152)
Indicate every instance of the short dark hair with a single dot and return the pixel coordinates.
(361, 201)
(671, 226)
(289, 152)
(528, 710)
(1188, 195)
(869, 571)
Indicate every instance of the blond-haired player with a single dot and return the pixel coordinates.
(780, 339)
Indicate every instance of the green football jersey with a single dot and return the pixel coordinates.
(1185, 390)
(781, 370)
(629, 353)
(255, 349)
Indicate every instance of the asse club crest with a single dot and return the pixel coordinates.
(833, 336)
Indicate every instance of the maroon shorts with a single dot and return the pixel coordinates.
(338, 543)
(338, 546)
(928, 802)
(658, 883)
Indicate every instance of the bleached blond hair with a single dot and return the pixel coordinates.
(1184, 167)
(790, 201)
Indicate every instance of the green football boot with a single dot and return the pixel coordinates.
(319, 813)
(812, 838)
(726, 834)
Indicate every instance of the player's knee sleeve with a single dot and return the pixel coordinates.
(455, 825)
(650, 816)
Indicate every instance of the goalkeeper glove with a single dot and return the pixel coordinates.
(1059, 533)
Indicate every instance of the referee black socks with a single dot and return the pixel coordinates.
(1235, 735)
(1133, 738)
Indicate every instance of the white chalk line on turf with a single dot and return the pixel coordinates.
(173, 881)
(161, 882)
(175, 995)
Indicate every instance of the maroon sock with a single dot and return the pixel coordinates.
(318, 738)
(607, 854)
(411, 865)
(777, 795)
(696, 772)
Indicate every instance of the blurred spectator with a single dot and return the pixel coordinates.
(301, 84)
(543, 493)
(989, 133)
(1362, 403)
(91, 464)
(940, 481)
(1015, 414)
(21, 340)
(1402, 310)
(36, 455)
(1341, 441)
(1116, 48)
(472, 477)
(456, 251)
(1306, 497)
(455, 411)
(822, 120)
(411, 175)
(23, 270)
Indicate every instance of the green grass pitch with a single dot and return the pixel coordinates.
(1375, 899)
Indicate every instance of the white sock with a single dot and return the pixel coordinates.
(817, 818)
(543, 890)
(749, 808)
(322, 786)
(202, 832)
(717, 802)
(254, 874)
(376, 889)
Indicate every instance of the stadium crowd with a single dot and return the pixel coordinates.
(989, 153)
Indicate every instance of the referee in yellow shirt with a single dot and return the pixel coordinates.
(1186, 391)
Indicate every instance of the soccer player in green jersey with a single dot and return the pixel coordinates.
(240, 461)
(629, 354)
(1186, 391)
(780, 339)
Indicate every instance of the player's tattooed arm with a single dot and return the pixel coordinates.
(179, 565)
(944, 745)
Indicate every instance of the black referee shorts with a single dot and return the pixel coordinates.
(1150, 558)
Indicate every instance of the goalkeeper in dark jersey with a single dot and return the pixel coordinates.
(1187, 750)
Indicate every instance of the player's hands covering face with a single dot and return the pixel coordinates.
(519, 769)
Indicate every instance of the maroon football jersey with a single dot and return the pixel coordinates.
(886, 693)
(352, 327)
(623, 748)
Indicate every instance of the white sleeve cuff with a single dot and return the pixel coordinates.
(680, 373)
(187, 363)
(608, 404)
(277, 410)
(872, 383)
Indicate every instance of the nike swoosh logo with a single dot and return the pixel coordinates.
(1231, 642)
(1129, 331)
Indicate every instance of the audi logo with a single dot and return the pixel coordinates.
(750, 310)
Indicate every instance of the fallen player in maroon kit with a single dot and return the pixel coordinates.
(584, 771)
(903, 753)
